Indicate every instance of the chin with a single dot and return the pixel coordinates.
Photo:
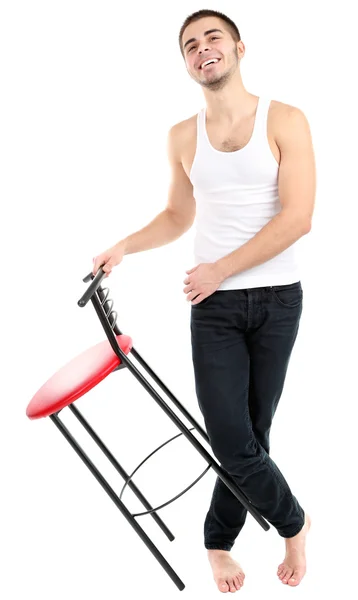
(216, 83)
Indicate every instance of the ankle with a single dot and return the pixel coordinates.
(217, 552)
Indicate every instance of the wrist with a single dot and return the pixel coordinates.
(220, 270)
(124, 243)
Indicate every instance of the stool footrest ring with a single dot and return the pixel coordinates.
(175, 497)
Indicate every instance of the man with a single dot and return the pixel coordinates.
(244, 168)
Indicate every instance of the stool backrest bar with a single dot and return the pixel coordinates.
(104, 309)
(97, 295)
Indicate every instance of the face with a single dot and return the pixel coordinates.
(209, 40)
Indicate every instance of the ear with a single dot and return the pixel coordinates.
(240, 46)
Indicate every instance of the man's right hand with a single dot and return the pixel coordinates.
(109, 259)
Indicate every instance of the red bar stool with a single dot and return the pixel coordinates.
(87, 370)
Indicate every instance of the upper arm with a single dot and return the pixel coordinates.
(297, 171)
(181, 201)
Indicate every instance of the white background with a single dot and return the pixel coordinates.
(88, 93)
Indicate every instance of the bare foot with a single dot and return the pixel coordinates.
(293, 568)
(228, 574)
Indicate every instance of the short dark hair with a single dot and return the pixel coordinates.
(200, 14)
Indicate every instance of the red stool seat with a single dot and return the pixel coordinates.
(77, 377)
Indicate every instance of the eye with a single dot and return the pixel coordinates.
(213, 37)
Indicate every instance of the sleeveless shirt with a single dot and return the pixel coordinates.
(236, 194)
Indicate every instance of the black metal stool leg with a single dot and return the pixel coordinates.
(125, 512)
(120, 470)
(224, 476)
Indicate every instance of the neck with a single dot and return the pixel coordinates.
(231, 103)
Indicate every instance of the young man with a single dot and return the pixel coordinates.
(244, 168)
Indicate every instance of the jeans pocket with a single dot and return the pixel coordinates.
(289, 295)
(203, 302)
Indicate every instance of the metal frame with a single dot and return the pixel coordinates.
(103, 307)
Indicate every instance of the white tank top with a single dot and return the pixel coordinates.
(236, 194)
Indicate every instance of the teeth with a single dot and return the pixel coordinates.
(207, 62)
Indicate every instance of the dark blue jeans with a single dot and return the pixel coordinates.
(241, 345)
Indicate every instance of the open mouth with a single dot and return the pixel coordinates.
(208, 63)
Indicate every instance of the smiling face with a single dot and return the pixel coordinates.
(210, 52)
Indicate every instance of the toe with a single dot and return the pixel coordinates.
(288, 574)
(223, 585)
(232, 585)
(238, 582)
(280, 569)
(295, 578)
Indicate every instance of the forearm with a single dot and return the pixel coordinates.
(281, 232)
(163, 229)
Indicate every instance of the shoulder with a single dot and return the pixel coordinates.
(180, 135)
(288, 122)
(184, 128)
(283, 112)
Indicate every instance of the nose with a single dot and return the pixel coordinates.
(204, 49)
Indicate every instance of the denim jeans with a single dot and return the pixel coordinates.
(241, 345)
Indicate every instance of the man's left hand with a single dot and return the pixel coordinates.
(202, 281)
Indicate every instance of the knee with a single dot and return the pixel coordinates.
(240, 458)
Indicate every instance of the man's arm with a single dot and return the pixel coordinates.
(181, 202)
(172, 222)
(296, 188)
(179, 213)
